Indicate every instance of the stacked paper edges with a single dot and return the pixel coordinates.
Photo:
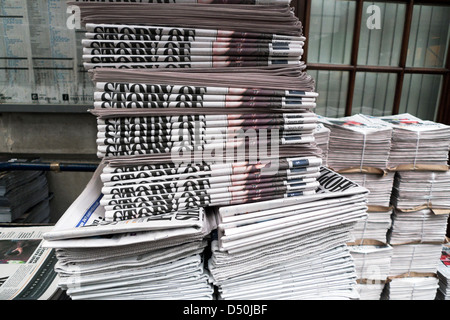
(94, 254)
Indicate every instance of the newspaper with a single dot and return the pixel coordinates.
(85, 218)
(191, 18)
(182, 65)
(224, 93)
(332, 185)
(422, 225)
(98, 50)
(276, 81)
(41, 55)
(141, 197)
(443, 274)
(139, 274)
(297, 279)
(26, 267)
(201, 100)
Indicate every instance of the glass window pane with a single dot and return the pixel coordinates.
(331, 31)
(380, 44)
(374, 93)
(429, 37)
(420, 95)
(332, 87)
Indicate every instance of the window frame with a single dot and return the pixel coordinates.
(303, 12)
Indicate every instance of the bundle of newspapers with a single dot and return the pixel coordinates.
(416, 189)
(182, 35)
(443, 274)
(379, 184)
(417, 143)
(420, 225)
(376, 226)
(156, 257)
(357, 142)
(372, 261)
(292, 248)
(418, 286)
(24, 197)
(420, 257)
(213, 155)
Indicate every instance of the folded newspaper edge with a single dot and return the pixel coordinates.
(332, 184)
(85, 218)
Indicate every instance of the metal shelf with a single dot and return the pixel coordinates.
(44, 108)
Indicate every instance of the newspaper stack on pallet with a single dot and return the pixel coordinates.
(444, 274)
(24, 197)
(157, 257)
(292, 248)
(372, 261)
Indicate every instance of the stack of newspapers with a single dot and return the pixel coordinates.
(220, 115)
(24, 197)
(376, 226)
(357, 142)
(193, 122)
(419, 221)
(417, 143)
(379, 184)
(412, 287)
(420, 225)
(359, 150)
(186, 36)
(415, 257)
(444, 274)
(157, 257)
(292, 248)
(415, 189)
(372, 260)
